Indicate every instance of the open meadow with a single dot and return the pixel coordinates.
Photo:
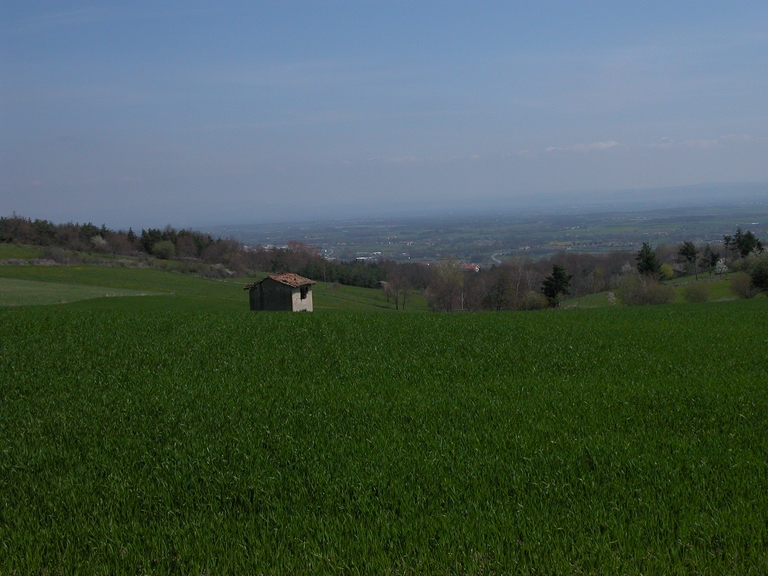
(613, 440)
(94, 287)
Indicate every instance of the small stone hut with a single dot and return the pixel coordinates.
(283, 292)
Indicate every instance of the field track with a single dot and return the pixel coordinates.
(630, 440)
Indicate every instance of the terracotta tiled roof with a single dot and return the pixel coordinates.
(289, 279)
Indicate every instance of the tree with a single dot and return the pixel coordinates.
(444, 291)
(398, 283)
(499, 296)
(743, 242)
(556, 284)
(709, 258)
(647, 263)
(721, 267)
(688, 252)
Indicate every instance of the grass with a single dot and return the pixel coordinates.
(14, 251)
(328, 296)
(148, 279)
(29, 292)
(631, 440)
(718, 288)
(187, 292)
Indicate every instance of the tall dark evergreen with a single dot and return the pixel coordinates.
(743, 242)
(556, 284)
(647, 263)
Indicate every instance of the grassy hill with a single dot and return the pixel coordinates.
(88, 286)
(623, 440)
(718, 290)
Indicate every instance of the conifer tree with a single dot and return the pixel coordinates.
(556, 284)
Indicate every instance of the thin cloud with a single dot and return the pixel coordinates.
(591, 147)
(662, 143)
(703, 143)
(405, 160)
(741, 139)
(707, 143)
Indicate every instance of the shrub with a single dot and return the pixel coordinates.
(741, 285)
(164, 250)
(666, 271)
(741, 265)
(637, 290)
(99, 243)
(696, 293)
(56, 254)
(535, 301)
(758, 273)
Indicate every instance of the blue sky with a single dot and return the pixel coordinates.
(147, 113)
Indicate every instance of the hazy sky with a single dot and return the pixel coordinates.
(146, 113)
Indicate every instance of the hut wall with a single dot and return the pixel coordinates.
(271, 295)
(302, 304)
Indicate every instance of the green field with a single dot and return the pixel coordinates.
(85, 286)
(12, 251)
(718, 290)
(621, 440)
(30, 293)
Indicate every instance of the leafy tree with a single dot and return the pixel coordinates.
(688, 252)
(557, 283)
(647, 263)
(398, 283)
(500, 294)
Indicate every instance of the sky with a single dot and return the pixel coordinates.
(191, 113)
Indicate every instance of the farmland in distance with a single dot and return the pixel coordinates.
(630, 440)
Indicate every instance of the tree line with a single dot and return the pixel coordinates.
(519, 283)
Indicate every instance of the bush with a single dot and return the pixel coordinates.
(741, 265)
(696, 293)
(636, 290)
(741, 285)
(758, 273)
(535, 301)
(164, 250)
(666, 271)
(57, 255)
